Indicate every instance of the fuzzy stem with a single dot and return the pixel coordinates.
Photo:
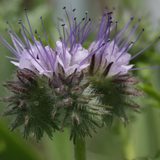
(80, 149)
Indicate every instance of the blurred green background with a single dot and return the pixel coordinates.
(140, 140)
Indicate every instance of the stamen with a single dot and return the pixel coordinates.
(123, 31)
(28, 22)
(92, 30)
(106, 32)
(45, 52)
(67, 17)
(143, 68)
(143, 50)
(52, 38)
(13, 32)
(57, 26)
(114, 38)
(9, 47)
(47, 42)
(86, 15)
(72, 33)
(129, 38)
(33, 38)
(136, 40)
(63, 33)
(17, 59)
(75, 38)
(86, 33)
(27, 41)
(89, 56)
(125, 50)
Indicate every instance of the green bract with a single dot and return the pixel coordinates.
(118, 92)
(43, 105)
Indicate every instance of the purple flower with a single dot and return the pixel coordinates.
(113, 58)
(110, 55)
(68, 53)
(61, 98)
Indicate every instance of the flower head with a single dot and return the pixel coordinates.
(113, 58)
(68, 52)
(50, 90)
(110, 65)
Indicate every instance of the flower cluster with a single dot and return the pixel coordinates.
(71, 86)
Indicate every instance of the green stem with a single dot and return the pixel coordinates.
(80, 149)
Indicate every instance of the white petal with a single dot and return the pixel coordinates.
(15, 63)
(83, 66)
(80, 55)
(60, 61)
(63, 53)
(26, 63)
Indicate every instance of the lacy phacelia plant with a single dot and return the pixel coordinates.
(50, 90)
(70, 86)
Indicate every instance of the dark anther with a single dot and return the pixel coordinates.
(143, 29)
(6, 21)
(116, 21)
(110, 17)
(20, 20)
(25, 8)
(40, 17)
(89, 19)
(83, 19)
(37, 56)
(103, 44)
(139, 20)
(64, 7)
(132, 18)
(86, 12)
(75, 18)
(159, 36)
(36, 31)
(63, 25)
(74, 10)
(110, 21)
